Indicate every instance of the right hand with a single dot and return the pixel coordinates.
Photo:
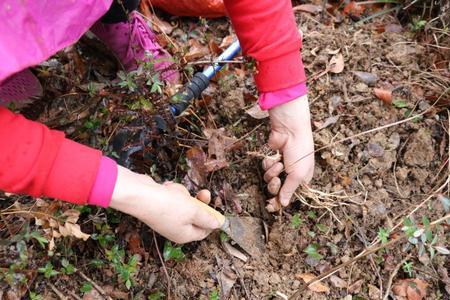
(167, 208)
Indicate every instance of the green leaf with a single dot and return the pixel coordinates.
(224, 237)
(311, 214)
(214, 295)
(311, 233)
(383, 235)
(87, 287)
(399, 103)
(296, 221)
(322, 227)
(34, 296)
(128, 284)
(171, 252)
(41, 240)
(311, 250)
(156, 296)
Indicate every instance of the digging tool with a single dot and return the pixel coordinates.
(245, 231)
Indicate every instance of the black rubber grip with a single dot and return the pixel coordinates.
(182, 100)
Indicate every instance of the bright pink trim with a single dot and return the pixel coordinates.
(103, 188)
(271, 99)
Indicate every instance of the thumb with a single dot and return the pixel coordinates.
(276, 140)
(206, 217)
(288, 189)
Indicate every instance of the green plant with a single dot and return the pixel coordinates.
(156, 296)
(408, 268)
(418, 24)
(296, 221)
(311, 214)
(92, 124)
(67, 267)
(86, 287)
(127, 80)
(214, 295)
(383, 235)
(224, 237)
(170, 252)
(399, 103)
(48, 270)
(322, 228)
(34, 296)
(311, 250)
(125, 270)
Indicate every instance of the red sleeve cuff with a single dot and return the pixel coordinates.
(73, 173)
(105, 182)
(280, 72)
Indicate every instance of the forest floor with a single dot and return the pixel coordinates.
(373, 223)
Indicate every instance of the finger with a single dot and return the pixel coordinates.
(192, 233)
(273, 205)
(291, 183)
(274, 185)
(176, 186)
(204, 196)
(276, 140)
(204, 219)
(274, 171)
(269, 161)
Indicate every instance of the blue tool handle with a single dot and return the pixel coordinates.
(200, 81)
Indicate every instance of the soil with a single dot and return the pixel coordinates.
(362, 184)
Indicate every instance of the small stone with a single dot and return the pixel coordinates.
(394, 141)
(361, 87)
(312, 262)
(378, 183)
(420, 150)
(374, 292)
(375, 150)
(402, 173)
(367, 78)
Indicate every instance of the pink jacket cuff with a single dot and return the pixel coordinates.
(104, 184)
(269, 100)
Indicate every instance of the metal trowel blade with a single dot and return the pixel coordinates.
(247, 232)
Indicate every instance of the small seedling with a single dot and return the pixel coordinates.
(311, 250)
(296, 221)
(312, 234)
(86, 287)
(172, 253)
(224, 237)
(311, 214)
(383, 235)
(34, 296)
(125, 270)
(48, 270)
(322, 228)
(156, 296)
(408, 268)
(214, 295)
(67, 268)
(399, 103)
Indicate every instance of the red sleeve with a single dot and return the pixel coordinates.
(268, 32)
(37, 161)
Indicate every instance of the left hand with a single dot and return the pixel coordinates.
(291, 134)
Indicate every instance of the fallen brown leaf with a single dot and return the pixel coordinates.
(196, 51)
(227, 41)
(337, 63)
(308, 8)
(318, 287)
(410, 289)
(256, 112)
(338, 282)
(383, 95)
(355, 287)
(196, 160)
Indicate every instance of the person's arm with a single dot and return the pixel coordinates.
(268, 33)
(37, 161)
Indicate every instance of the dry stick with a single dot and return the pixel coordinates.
(364, 253)
(75, 296)
(95, 285)
(57, 292)
(163, 265)
(391, 278)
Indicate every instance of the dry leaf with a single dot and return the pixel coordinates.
(226, 280)
(70, 229)
(219, 144)
(234, 252)
(196, 51)
(337, 63)
(72, 215)
(355, 287)
(410, 289)
(160, 25)
(383, 95)
(329, 121)
(338, 282)
(309, 8)
(354, 9)
(256, 112)
(318, 287)
(227, 41)
(196, 160)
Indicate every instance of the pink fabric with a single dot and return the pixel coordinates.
(33, 30)
(104, 184)
(269, 100)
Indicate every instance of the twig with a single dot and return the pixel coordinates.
(57, 292)
(393, 274)
(75, 296)
(95, 285)
(163, 265)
